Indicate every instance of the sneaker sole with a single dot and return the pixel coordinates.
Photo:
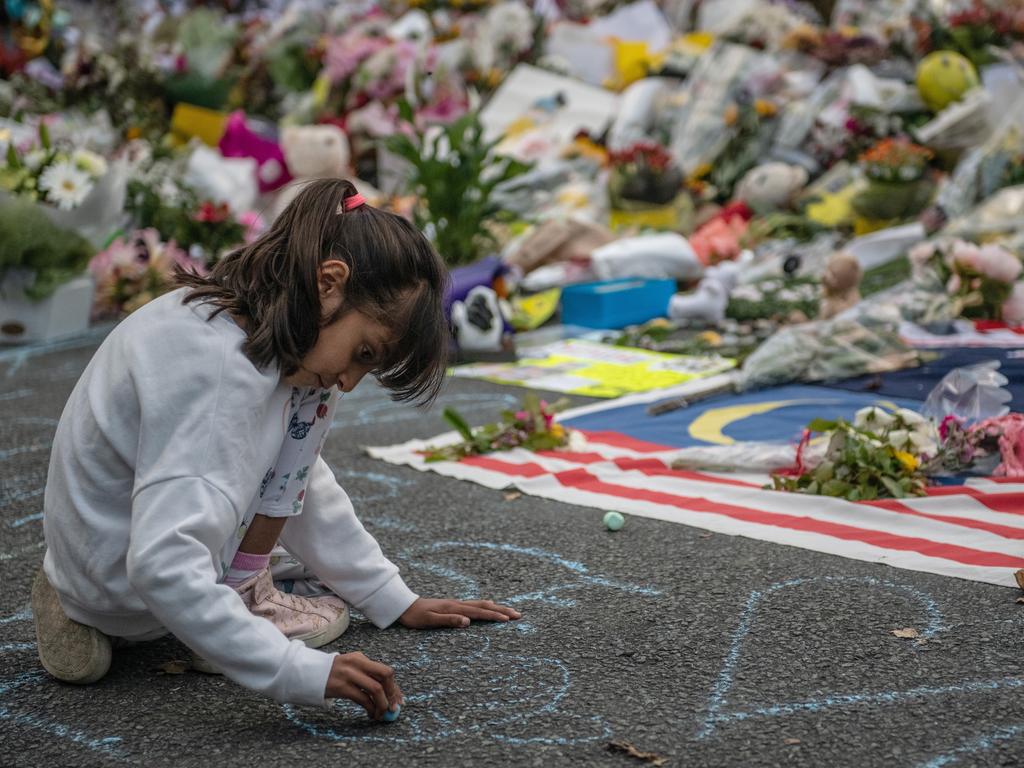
(328, 634)
(71, 652)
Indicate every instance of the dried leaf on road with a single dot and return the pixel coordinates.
(513, 495)
(625, 748)
(791, 742)
(173, 668)
(907, 634)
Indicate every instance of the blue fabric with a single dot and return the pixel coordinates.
(918, 382)
(719, 420)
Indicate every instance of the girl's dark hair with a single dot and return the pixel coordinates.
(395, 278)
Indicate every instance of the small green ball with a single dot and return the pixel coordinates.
(614, 521)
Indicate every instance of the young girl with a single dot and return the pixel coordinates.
(190, 447)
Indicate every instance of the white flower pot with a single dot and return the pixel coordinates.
(65, 313)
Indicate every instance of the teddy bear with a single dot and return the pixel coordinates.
(312, 152)
(840, 285)
(772, 186)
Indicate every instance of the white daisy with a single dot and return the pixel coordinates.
(65, 185)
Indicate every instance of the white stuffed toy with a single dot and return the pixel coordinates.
(711, 298)
(312, 152)
(772, 186)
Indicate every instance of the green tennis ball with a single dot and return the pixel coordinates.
(944, 77)
(614, 521)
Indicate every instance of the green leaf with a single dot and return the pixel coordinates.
(405, 111)
(893, 487)
(823, 425)
(454, 418)
(44, 136)
(13, 160)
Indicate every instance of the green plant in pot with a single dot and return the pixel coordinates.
(899, 186)
(36, 251)
(645, 174)
(454, 172)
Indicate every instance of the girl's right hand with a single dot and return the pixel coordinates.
(369, 684)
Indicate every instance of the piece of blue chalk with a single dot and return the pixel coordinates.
(391, 715)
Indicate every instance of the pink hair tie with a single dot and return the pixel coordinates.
(354, 201)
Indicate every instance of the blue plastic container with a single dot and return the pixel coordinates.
(616, 303)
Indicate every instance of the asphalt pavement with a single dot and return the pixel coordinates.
(704, 649)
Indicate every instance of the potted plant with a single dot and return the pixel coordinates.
(44, 290)
(898, 183)
(644, 186)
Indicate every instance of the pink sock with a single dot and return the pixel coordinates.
(244, 567)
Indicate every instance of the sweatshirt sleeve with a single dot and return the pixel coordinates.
(176, 524)
(330, 540)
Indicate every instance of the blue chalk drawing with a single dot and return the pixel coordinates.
(27, 549)
(975, 746)
(19, 356)
(522, 693)
(23, 615)
(108, 745)
(391, 487)
(27, 519)
(17, 394)
(470, 588)
(716, 714)
(388, 412)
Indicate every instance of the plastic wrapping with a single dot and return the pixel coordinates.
(972, 393)
(826, 351)
(747, 457)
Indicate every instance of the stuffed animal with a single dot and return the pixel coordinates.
(240, 140)
(840, 285)
(710, 300)
(772, 186)
(312, 152)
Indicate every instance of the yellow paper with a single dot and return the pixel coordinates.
(190, 121)
(530, 312)
(592, 369)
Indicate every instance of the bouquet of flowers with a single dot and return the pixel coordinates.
(973, 32)
(882, 454)
(644, 172)
(979, 282)
(47, 174)
(532, 427)
(898, 185)
(135, 269)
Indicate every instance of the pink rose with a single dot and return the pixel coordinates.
(920, 254)
(998, 264)
(1013, 309)
(967, 255)
(953, 286)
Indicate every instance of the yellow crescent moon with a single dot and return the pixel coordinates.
(709, 425)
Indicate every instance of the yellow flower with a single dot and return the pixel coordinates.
(908, 460)
(731, 114)
(701, 171)
(765, 108)
(557, 431)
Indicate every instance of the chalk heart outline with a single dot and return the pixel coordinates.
(717, 714)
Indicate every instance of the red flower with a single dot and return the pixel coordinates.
(212, 212)
(321, 410)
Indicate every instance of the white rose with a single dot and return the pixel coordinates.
(911, 418)
(898, 438)
(873, 418)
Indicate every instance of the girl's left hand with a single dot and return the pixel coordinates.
(427, 613)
